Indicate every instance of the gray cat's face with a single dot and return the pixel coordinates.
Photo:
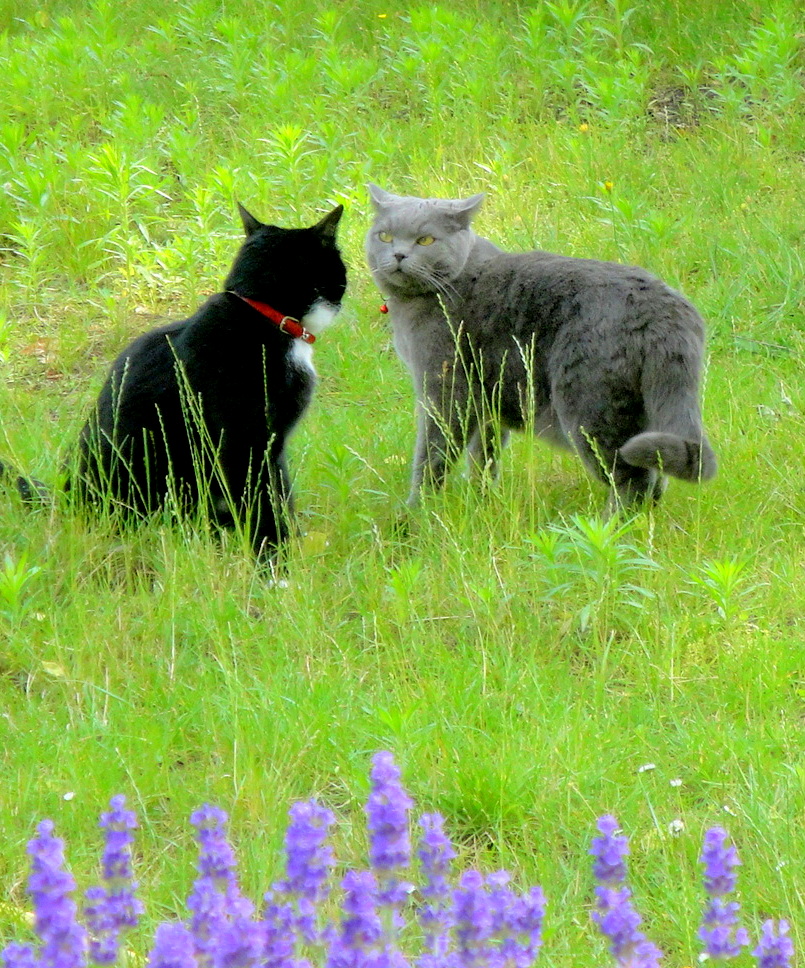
(418, 245)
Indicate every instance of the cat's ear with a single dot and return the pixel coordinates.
(463, 209)
(380, 198)
(327, 226)
(250, 223)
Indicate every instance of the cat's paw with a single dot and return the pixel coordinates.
(401, 526)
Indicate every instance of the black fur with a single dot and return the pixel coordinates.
(199, 411)
(30, 490)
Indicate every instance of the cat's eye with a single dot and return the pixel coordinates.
(425, 240)
(385, 236)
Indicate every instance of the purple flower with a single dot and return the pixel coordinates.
(387, 819)
(308, 859)
(18, 956)
(521, 929)
(615, 916)
(775, 949)
(609, 852)
(279, 933)
(308, 863)
(473, 917)
(114, 907)
(118, 823)
(720, 931)
(501, 901)
(216, 898)
(481, 923)
(241, 944)
(435, 853)
(104, 939)
(357, 943)
(208, 917)
(64, 941)
(494, 926)
(719, 863)
(174, 947)
(618, 921)
(216, 860)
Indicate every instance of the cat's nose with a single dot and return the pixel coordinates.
(399, 256)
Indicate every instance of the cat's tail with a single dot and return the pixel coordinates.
(690, 459)
(30, 490)
(674, 441)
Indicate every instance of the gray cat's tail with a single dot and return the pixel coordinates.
(687, 459)
(674, 441)
(29, 489)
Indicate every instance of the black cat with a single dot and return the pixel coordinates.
(197, 413)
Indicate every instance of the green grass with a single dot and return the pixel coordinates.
(520, 676)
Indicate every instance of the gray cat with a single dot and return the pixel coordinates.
(596, 356)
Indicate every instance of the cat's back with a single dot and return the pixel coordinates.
(551, 269)
(555, 291)
(213, 334)
(146, 365)
(154, 344)
(146, 372)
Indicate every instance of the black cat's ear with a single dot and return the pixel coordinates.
(380, 198)
(327, 226)
(250, 223)
(464, 208)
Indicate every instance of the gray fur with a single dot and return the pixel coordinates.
(596, 356)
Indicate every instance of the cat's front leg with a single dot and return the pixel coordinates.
(272, 509)
(254, 494)
(484, 452)
(440, 438)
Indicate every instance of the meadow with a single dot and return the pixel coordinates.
(530, 664)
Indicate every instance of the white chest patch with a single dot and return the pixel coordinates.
(302, 355)
(319, 317)
(321, 314)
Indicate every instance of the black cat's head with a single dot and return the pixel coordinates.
(297, 271)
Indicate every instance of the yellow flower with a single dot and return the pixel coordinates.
(382, 16)
(584, 126)
(608, 186)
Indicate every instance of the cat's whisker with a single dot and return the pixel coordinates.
(446, 288)
(441, 285)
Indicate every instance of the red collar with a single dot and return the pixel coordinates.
(287, 324)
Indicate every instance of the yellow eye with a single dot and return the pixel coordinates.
(385, 236)
(425, 240)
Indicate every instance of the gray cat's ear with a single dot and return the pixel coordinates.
(380, 198)
(464, 208)
(327, 226)
(250, 223)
